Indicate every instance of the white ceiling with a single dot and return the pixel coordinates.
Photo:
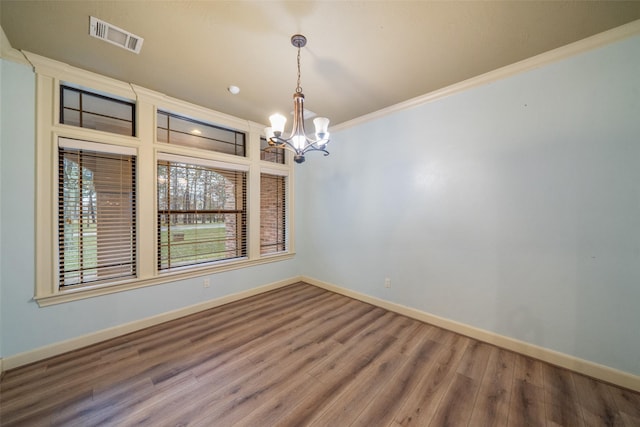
(361, 56)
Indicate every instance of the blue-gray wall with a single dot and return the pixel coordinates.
(17, 176)
(513, 207)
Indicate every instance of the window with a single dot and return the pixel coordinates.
(201, 212)
(96, 213)
(272, 214)
(137, 193)
(275, 155)
(94, 111)
(174, 129)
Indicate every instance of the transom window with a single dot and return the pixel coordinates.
(273, 155)
(94, 111)
(178, 130)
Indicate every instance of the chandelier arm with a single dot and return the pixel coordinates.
(280, 143)
(317, 141)
(286, 144)
(312, 148)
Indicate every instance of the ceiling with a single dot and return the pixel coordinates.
(361, 56)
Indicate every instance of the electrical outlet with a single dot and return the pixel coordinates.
(387, 282)
(205, 282)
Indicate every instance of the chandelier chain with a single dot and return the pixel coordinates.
(298, 88)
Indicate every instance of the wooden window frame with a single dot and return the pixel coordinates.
(235, 244)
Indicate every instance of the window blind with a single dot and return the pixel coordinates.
(96, 214)
(201, 213)
(272, 214)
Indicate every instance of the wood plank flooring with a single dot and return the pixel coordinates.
(303, 356)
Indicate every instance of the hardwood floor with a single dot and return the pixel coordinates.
(303, 356)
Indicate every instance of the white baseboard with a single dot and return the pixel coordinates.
(585, 367)
(116, 331)
(601, 372)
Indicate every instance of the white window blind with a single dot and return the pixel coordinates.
(96, 213)
(202, 213)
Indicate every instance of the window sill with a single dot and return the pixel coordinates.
(164, 277)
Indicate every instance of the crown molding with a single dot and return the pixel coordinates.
(76, 76)
(596, 41)
(9, 53)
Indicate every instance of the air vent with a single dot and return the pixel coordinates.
(114, 35)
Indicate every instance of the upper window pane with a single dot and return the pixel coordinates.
(275, 155)
(178, 130)
(94, 111)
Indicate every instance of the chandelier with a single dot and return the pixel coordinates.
(298, 141)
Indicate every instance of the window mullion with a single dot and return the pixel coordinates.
(146, 181)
